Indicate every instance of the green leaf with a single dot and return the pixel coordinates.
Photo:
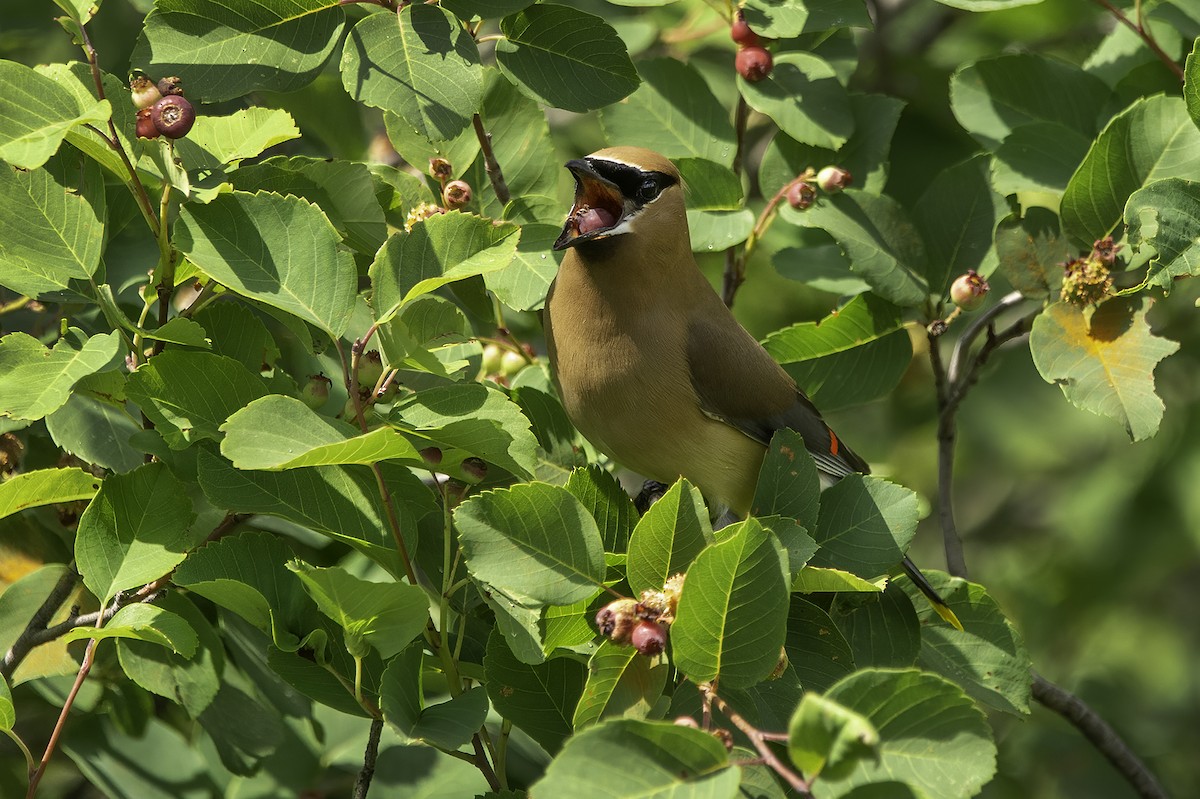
(606, 502)
(719, 230)
(823, 119)
(565, 58)
(784, 19)
(1104, 361)
(1166, 216)
(223, 50)
(621, 684)
(865, 338)
(817, 650)
(1191, 83)
(388, 616)
(634, 759)
(883, 630)
(533, 540)
(1031, 250)
(237, 332)
(182, 331)
(815, 579)
(76, 77)
(216, 141)
(827, 740)
(338, 501)
(881, 241)
(709, 186)
(788, 484)
(540, 699)
(674, 113)
(278, 432)
(135, 530)
(865, 525)
(446, 725)
(473, 418)
(36, 113)
(53, 221)
(668, 538)
(278, 250)
(957, 217)
(142, 622)
(8, 714)
(1151, 140)
(246, 574)
(987, 657)
(79, 10)
(45, 487)
(189, 395)
(931, 736)
(864, 155)
(420, 64)
(522, 285)
(37, 381)
(732, 614)
(20, 601)
(440, 250)
(487, 9)
(994, 96)
(1038, 157)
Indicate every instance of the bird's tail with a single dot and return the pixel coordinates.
(935, 599)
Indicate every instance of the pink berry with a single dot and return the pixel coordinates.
(753, 63)
(595, 219)
(649, 638)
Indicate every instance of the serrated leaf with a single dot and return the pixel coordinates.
(1166, 216)
(607, 503)
(816, 649)
(446, 725)
(718, 230)
(866, 338)
(53, 220)
(732, 615)
(237, 332)
(881, 241)
(784, 19)
(565, 58)
(668, 538)
(189, 395)
(180, 330)
(1039, 157)
(994, 96)
(135, 530)
(633, 759)
(816, 579)
(865, 525)
(278, 250)
(788, 484)
(709, 186)
(76, 77)
(38, 380)
(882, 631)
(1104, 362)
(36, 113)
(222, 51)
(1191, 83)
(540, 699)
(388, 616)
(931, 736)
(827, 740)
(46, 487)
(1031, 250)
(621, 684)
(142, 622)
(214, 141)
(420, 64)
(522, 285)
(487, 9)
(823, 119)
(987, 657)
(278, 432)
(532, 540)
(439, 250)
(1151, 140)
(688, 120)
(957, 217)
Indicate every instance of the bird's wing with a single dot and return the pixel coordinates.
(737, 382)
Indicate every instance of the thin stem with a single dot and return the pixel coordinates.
(358, 695)
(26, 640)
(363, 783)
(1101, 734)
(1143, 33)
(798, 783)
(481, 762)
(502, 753)
(490, 163)
(164, 275)
(30, 765)
(735, 256)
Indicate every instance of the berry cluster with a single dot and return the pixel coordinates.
(753, 61)
(1088, 281)
(801, 193)
(642, 623)
(162, 108)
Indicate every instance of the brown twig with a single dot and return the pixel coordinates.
(1144, 34)
(759, 739)
(1101, 734)
(735, 257)
(363, 783)
(25, 641)
(491, 165)
(481, 762)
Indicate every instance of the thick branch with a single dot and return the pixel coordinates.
(1102, 736)
(26, 641)
(363, 783)
(490, 163)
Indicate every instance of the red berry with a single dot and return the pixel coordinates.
(968, 290)
(801, 195)
(833, 179)
(145, 125)
(753, 63)
(649, 638)
(616, 620)
(740, 32)
(173, 115)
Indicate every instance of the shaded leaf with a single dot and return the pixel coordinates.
(883, 631)
(1031, 250)
(447, 725)
(823, 119)
(607, 503)
(784, 19)
(539, 699)
(387, 615)
(957, 217)
(865, 525)
(1040, 156)
(1166, 216)
(621, 684)
(817, 650)
(668, 538)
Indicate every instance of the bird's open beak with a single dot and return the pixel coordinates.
(599, 206)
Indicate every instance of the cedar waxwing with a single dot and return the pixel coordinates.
(651, 366)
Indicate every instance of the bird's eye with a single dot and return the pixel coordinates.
(648, 190)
